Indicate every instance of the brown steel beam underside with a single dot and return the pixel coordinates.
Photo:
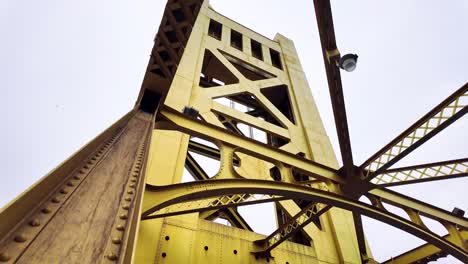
(102, 184)
(327, 39)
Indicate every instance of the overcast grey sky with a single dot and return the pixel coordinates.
(69, 69)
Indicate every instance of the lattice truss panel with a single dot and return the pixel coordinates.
(456, 168)
(210, 204)
(442, 116)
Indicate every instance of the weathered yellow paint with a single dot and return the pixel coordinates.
(335, 243)
(127, 178)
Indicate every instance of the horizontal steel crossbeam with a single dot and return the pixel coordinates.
(248, 146)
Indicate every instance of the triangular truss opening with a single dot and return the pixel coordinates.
(202, 160)
(214, 72)
(247, 103)
(299, 237)
(249, 71)
(227, 216)
(279, 97)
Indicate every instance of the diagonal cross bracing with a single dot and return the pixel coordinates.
(224, 201)
(310, 213)
(423, 173)
(447, 112)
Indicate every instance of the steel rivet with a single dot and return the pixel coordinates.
(130, 192)
(131, 185)
(76, 177)
(128, 199)
(86, 166)
(94, 158)
(126, 207)
(133, 180)
(55, 200)
(82, 171)
(116, 240)
(120, 227)
(4, 257)
(112, 256)
(34, 222)
(123, 216)
(20, 238)
(71, 184)
(63, 191)
(90, 162)
(46, 210)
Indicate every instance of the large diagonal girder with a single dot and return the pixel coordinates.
(447, 112)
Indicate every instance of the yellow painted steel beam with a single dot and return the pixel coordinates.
(197, 172)
(159, 197)
(213, 133)
(426, 252)
(425, 209)
(423, 173)
(195, 169)
(443, 115)
(296, 223)
(250, 120)
(203, 205)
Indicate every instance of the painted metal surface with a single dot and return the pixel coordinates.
(120, 198)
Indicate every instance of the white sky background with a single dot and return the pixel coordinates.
(69, 69)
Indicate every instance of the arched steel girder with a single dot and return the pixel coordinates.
(158, 197)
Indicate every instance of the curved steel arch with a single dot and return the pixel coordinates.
(158, 197)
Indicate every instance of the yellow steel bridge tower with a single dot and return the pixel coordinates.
(215, 88)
